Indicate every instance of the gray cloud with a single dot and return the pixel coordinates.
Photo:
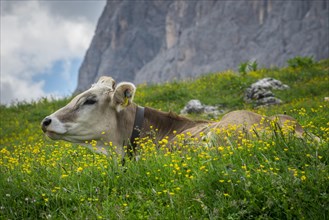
(35, 35)
(89, 10)
(69, 9)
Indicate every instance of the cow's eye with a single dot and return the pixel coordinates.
(89, 102)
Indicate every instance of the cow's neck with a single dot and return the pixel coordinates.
(165, 123)
(124, 126)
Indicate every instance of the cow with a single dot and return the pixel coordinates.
(106, 113)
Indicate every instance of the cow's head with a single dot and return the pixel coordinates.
(92, 113)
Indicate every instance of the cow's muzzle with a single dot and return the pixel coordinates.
(45, 123)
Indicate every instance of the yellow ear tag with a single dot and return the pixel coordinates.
(126, 101)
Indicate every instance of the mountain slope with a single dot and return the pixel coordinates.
(157, 41)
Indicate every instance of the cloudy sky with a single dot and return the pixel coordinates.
(43, 43)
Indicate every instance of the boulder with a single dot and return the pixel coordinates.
(260, 92)
(194, 106)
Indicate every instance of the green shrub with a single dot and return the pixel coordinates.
(301, 62)
(246, 67)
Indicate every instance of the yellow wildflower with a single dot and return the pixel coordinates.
(64, 176)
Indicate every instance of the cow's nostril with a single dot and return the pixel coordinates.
(46, 122)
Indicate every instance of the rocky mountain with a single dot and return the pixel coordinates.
(155, 41)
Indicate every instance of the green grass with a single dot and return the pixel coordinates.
(281, 177)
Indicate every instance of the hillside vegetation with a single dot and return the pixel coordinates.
(281, 177)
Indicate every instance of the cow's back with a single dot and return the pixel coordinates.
(242, 119)
(287, 122)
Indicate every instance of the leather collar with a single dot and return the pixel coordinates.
(138, 124)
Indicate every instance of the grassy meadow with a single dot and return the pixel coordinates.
(278, 177)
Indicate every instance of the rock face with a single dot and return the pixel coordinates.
(260, 92)
(155, 41)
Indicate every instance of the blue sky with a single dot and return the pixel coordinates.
(41, 52)
(62, 78)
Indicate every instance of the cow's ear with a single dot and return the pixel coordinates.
(123, 95)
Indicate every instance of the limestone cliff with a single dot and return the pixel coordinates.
(155, 41)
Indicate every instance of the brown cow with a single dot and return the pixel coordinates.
(106, 113)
